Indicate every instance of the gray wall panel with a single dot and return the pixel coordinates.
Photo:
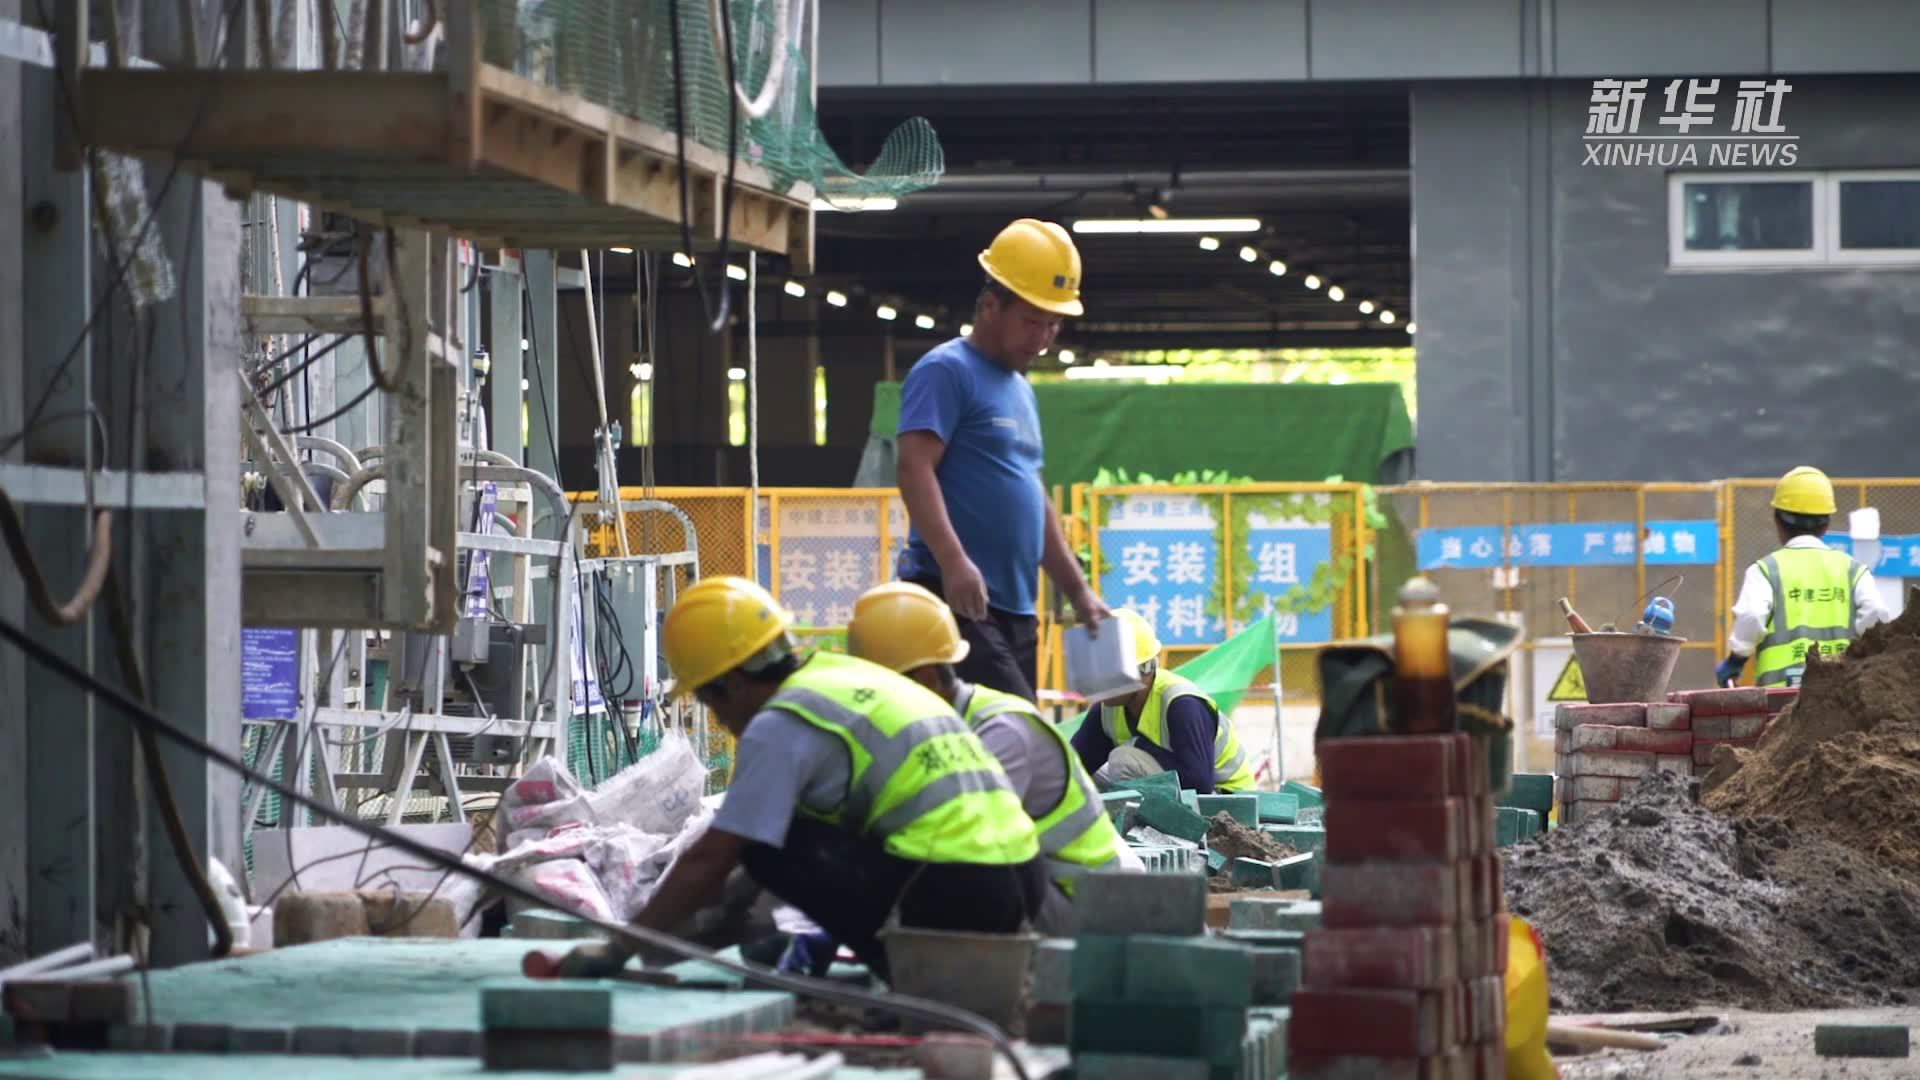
(1140, 41)
(988, 42)
(849, 42)
(1400, 39)
(1649, 373)
(1698, 37)
(994, 42)
(1866, 36)
(1730, 373)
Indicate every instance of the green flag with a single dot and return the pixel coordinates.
(1226, 670)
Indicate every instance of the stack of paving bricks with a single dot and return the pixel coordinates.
(1152, 995)
(1602, 751)
(1736, 716)
(1404, 979)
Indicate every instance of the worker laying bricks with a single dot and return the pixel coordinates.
(1803, 596)
(907, 629)
(1169, 723)
(856, 792)
(970, 453)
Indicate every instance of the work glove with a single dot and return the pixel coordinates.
(1728, 672)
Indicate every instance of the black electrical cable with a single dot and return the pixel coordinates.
(337, 413)
(628, 936)
(719, 321)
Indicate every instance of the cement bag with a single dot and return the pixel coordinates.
(656, 794)
(544, 799)
(571, 885)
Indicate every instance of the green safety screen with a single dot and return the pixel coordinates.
(1268, 432)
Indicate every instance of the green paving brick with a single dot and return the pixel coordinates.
(1121, 902)
(1506, 826)
(1172, 818)
(1190, 799)
(1279, 807)
(1255, 874)
(1216, 862)
(1244, 809)
(1276, 975)
(560, 1006)
(1052, 982)
(1165, 784)
(1529, 824)
(1306, 793)
(1272, 913)
(1099, 967)
(1530, 791)
(1098, 1066)
(1297, 871)
(1302, 837)
(79, 1065)
(1268, 939)
(1861, 1040)
(1158, 1029)
(1311, 815)
(1189, 971)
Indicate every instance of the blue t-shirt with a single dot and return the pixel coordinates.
(990, 475)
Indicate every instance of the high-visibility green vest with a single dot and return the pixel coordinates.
(919, 780)
(1076, 835)
(1812, 604)
(1231, 772)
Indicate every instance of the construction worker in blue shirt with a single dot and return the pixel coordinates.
(1804, 596)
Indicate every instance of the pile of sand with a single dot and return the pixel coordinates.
(1236, 841)
(1659, 904)
(1845, 758)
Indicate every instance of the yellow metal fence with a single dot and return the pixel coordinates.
(1203, 561)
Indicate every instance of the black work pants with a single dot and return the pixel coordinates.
(1003, 649)
(848, 885)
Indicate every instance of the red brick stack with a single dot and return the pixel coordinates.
(1404, 981)
(1735, 716)
(1601, 751)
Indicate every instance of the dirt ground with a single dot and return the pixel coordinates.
(1753, 1046)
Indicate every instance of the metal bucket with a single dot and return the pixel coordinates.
(981, 973)
(1625, 668)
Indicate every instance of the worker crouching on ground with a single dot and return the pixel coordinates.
(907, 629)
(1803, 596)
(1167, 724)
(855, 792)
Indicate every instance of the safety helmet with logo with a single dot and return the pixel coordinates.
(718, 624)
(1146, 644)
(901, 626)
(1037, 260)
(1805, 490)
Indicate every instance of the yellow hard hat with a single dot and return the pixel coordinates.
(718, 624)
(1037, 260)
(1527, 1004)
(1146, 644)
(1805, 490)
(901, 626)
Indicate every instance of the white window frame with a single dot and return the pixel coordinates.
(1839, 256)
(1681, 257)
(1825, 252)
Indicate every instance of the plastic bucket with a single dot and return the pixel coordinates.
(981, 973)
(1626, 668)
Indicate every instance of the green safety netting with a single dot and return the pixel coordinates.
(620, 54)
